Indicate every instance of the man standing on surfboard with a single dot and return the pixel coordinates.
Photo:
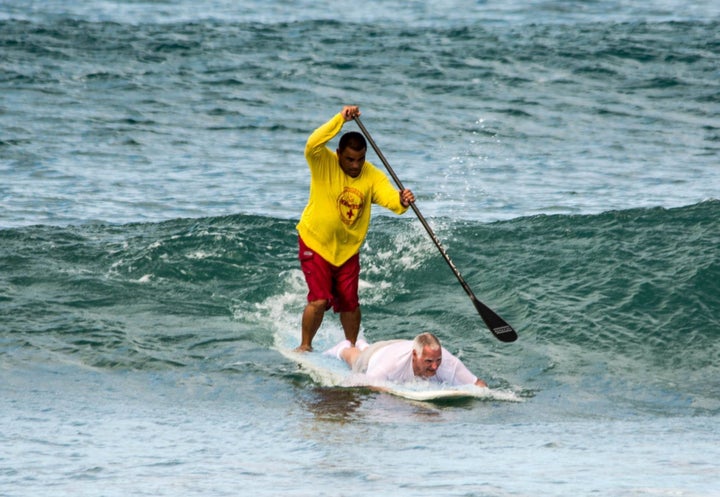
(401, 361)
(335, 221)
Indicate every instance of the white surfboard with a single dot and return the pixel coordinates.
(330, 371)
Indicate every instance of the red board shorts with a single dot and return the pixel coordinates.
(336, 284)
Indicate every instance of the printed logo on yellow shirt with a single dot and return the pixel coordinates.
(350, 205)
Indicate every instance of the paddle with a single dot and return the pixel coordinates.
(502, 331)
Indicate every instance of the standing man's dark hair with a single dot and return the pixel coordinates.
(354, 140)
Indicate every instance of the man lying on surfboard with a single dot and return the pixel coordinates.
(401, 361)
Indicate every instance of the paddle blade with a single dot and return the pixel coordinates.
(502, 331)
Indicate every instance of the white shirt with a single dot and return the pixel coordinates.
(393, 362)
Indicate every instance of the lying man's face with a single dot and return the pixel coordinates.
(428, 363)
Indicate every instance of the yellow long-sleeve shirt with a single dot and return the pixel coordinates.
(337, 216)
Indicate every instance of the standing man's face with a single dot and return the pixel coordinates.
(351, 161)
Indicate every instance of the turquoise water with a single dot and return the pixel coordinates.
(566, 153)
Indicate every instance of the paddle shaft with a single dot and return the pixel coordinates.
(495, 323)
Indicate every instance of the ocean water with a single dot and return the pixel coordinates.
(566, 153)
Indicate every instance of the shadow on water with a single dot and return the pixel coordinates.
(347, 405)
(337, 405)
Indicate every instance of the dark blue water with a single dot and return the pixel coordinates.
(566, 153)
(128, 117)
